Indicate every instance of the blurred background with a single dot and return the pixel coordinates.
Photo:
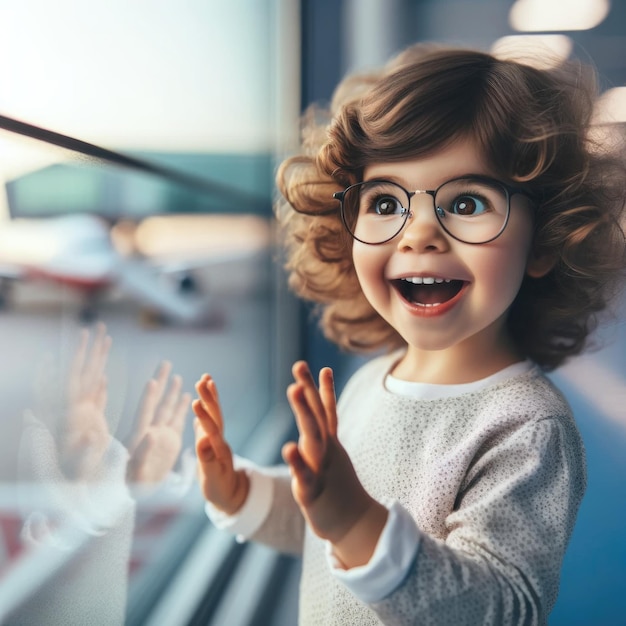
(138, 144)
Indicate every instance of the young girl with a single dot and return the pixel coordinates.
(455, 212)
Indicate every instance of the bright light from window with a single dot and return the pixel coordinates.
(188, 76)
(553, 15)
(542, 51)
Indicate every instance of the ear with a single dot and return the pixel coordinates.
(539, 265)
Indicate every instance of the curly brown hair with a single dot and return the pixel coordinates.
(534, 127)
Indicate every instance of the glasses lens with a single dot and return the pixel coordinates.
(472, 209)
(375, 211)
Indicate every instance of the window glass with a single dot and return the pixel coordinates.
(137, 150)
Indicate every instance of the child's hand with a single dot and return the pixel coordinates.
(158, 436)
(222, 485)
(325, 484)
(86, 431)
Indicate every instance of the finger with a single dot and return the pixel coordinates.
(198, 431)
(161, 378)
(147, 408)
(303, 376)
(329, 399)
(152, 394)
(96, 359)
(205, 426)
(207, 390)
(209, 437)
(297, 465)
(170, 400)
(306, 487)
(202, 442)
(308, 424)
(204, 420)
(312, 442)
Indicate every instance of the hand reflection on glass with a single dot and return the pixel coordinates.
(85, 431)
(81, 469)
(157, 441)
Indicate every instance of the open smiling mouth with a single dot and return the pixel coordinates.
(427, 291)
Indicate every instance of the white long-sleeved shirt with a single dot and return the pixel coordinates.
(483, 482)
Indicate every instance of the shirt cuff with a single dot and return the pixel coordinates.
(389, 565)
(254, 510)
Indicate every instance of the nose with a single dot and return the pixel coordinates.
(422, 231)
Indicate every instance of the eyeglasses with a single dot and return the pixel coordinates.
(472, 209)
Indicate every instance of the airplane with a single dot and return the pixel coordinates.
(98, 221)
(77, 252)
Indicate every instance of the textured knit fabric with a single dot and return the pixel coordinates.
(493, 480)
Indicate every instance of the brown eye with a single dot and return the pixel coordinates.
(387, 205)
(467, 205)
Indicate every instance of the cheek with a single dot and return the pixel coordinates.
(369, 263)
(502, 275)
(502, 269)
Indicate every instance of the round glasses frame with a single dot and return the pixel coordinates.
(509, 191)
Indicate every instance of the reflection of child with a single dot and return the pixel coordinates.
(86, 479)
(457, 213)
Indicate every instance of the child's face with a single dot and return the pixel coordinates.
(467, 315)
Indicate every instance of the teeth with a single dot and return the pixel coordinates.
(427, 305)
(425, 280)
